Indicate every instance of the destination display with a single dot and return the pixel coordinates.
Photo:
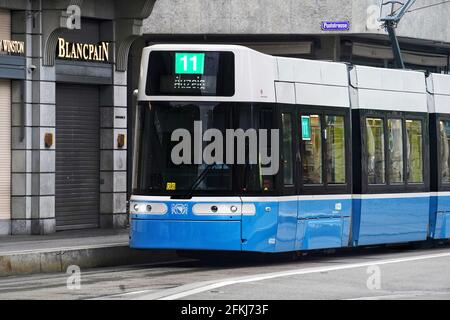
(191, 74)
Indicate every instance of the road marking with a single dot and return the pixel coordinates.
(402, 296)
(196, 288)
(130, 293)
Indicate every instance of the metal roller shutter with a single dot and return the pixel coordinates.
(5, 24)
(5, 149)
(77, 157)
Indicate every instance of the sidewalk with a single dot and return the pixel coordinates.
(86, 249)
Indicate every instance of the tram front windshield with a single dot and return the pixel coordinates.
(156, 172)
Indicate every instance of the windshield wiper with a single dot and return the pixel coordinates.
(197, 181)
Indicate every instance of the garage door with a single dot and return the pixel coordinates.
(5, 149)
(77, 157)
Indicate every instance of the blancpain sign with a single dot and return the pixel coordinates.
(83, 51)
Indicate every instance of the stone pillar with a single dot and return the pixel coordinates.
(21, 131)
(33, 179)
(44, 122)
(113, 157)
(21, 138)
(113, 176)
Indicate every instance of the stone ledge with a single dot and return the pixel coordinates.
(58, 260)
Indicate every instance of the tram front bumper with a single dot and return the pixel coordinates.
(185, 235)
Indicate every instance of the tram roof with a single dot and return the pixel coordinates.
(265, 78)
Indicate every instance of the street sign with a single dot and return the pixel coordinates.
(306, 128)
(335, 25)
(189, 63)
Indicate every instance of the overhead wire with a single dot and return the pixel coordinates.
(429, 6)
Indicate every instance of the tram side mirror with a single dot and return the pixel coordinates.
(135, 97)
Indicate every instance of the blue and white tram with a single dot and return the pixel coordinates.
(438, 86)
(364, 153)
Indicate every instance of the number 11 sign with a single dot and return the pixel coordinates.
(189, 63)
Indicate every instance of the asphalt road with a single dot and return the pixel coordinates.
(377, 273)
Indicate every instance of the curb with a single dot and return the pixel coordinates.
(58, 260)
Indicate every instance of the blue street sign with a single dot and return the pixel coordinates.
(335, 25)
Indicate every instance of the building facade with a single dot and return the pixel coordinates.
(296, 28)
(68, 69)
(63, 112)
(299, 28)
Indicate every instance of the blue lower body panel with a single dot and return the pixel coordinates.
(279, 225)
(441, 212)
(259, 232)
(443, 226)
(320, 234)
(188, 235)
(324, 224)
(396, 220)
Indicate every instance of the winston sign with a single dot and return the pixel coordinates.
(12, 47)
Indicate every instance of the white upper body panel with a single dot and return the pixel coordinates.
(439, 93)
(264, 78)
(254, 78)
(388, 89)
(312, 71)
(311, 82)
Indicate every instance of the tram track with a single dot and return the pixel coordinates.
(192, 289)
(188, 278)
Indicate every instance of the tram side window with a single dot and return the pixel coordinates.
(335, 146)
(375, 155)
(414, 151)
(395, 149)
(444, 131)
(252, 175)
(288, 155)
(266, 122)
(312, 153)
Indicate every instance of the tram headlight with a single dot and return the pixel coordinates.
(149, 208)
(136, 207)
(234, 209)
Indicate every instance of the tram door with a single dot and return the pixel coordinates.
(273, 228)
(324, 203)
(288, 206)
